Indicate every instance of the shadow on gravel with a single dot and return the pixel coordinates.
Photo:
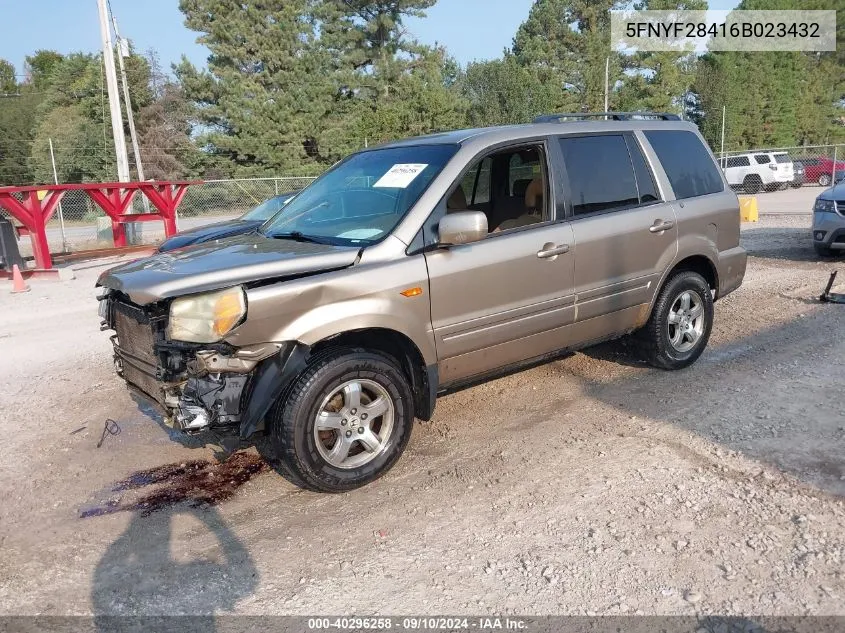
(801, 435)
(137, 577)
(188, 441)
(791, 244)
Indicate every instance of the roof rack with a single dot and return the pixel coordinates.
(613, 116)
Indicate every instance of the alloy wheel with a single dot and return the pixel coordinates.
(354, 423)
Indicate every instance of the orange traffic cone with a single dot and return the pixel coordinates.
(18, 284)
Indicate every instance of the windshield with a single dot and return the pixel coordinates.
(783, 158)
(268, 208)
(363, 198)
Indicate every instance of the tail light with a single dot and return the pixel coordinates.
(773, 166)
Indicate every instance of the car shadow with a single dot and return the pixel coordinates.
(784, 243)
(807, 444)
(138, 584)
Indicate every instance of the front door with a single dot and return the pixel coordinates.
(508, 297)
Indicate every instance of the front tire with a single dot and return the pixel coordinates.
(679, 327)
(824, 180)
(823, 251)
(345, 421)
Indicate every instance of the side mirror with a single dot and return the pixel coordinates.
(462, 227)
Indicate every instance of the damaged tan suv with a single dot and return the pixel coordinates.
(423, 265)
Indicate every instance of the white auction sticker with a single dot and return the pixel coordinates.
(400, 176)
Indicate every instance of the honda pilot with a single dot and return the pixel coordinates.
(414, 268)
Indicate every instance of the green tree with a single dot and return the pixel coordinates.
(502, 91)
(265, 89)
(40, 67)
(567, 42)
(658, 81)
(17, 117)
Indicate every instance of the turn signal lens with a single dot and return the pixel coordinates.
(412, 292)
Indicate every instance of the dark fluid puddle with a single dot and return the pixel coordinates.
(197, 483)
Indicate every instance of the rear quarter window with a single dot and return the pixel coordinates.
(687, 163)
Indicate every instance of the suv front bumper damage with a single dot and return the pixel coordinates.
(199, 388)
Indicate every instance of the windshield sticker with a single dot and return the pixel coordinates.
(401, 175)
(361, 234)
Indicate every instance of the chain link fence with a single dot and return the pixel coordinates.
(768, 167)
(786, 180)
(79, 224)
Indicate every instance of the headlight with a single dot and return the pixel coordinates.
(206, 318)
(824, 206)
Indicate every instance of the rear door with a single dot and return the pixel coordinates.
(625, 233)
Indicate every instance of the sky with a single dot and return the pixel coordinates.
(469, 29)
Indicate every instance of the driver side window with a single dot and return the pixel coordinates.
(510, 187)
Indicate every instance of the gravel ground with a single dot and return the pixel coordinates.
(589, 485)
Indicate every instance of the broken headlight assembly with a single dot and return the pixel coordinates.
(207, 317)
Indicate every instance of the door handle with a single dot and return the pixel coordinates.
(550, 250)
(661, 225)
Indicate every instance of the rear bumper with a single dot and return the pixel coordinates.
(732, 264)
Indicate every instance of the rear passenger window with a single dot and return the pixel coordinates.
(600, 173)
(762, 159)
(738, 161)
(687, 164)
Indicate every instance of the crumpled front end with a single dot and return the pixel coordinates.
(199, 387)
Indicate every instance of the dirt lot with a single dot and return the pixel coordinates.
(588, 485)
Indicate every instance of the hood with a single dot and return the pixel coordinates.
(228, 262)
(208, 233)
(834, 193)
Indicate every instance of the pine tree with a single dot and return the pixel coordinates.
(265, 90)
(567, 42)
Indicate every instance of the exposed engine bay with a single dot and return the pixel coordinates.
(199, 387)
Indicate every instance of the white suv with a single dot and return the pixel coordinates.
(757, 171)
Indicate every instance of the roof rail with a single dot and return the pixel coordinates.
(613, 116)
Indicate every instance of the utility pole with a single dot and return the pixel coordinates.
(114, 97)
(127, 100)
(136, 150)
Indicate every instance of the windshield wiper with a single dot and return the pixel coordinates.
(299, 236)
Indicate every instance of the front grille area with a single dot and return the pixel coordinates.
(840, 206)
(135, 350)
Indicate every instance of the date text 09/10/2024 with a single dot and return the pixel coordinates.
(429, 623)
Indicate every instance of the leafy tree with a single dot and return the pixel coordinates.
(17, 117)
(164, 131)
(502, 91)
(8, 80)
(40, 67)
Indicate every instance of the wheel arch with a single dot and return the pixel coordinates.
(398, 346)
(697, 263)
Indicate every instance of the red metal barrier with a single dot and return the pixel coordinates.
(114, 198)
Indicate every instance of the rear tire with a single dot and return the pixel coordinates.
(824, 180)
(345, 421)
(752, 185)
(679, 327)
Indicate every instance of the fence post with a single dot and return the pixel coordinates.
(56, 180)
(833, 169)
